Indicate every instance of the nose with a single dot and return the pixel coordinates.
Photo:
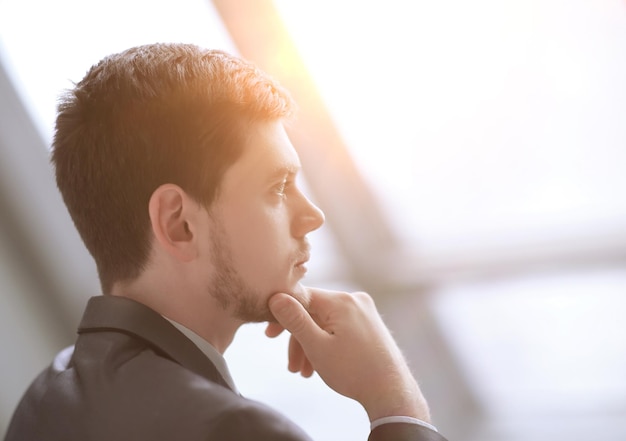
(309, 218)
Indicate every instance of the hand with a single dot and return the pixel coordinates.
(343, 338)
(297, 358)
(298, 362)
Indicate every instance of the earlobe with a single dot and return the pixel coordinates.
(171, 219)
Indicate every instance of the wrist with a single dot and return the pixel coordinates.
(405, 401)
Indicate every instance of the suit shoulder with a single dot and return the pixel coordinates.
(250, 420)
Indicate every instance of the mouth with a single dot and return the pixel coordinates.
(303, 258)
(301, 263)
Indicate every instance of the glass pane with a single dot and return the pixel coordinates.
(493, 132)
(480, 124)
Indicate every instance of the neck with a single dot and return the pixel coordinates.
(190, 307)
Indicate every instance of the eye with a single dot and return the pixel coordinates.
(281, 187)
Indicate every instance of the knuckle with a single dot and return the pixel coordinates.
(344, 297)
(364, 298)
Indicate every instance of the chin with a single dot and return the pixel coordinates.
(253, 310)
(252, 307)
(256, 316)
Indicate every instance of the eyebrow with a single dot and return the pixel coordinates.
(284, 170)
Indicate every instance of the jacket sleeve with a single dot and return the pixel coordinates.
(254, 422)
(259, 423)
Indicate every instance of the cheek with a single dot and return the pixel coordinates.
(259, 237)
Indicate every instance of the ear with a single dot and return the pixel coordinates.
(173, 215)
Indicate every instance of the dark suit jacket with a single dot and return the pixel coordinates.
(132, 376)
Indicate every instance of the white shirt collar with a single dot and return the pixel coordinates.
(207, 349)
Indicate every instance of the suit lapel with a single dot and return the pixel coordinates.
(108, 313)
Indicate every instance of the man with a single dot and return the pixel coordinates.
(176, 169)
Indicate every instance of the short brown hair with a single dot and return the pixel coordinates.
(154, 114)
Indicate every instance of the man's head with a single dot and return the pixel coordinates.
(256, 229)
(153, 115)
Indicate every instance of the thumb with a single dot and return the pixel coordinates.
(293, 317)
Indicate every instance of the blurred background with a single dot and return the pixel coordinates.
(470, 158)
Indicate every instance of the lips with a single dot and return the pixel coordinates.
(304, 259)
(304, 256)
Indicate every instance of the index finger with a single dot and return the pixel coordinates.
(274, 329)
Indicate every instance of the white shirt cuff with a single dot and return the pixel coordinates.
(401, 419)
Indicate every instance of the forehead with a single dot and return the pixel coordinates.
(267, 154)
